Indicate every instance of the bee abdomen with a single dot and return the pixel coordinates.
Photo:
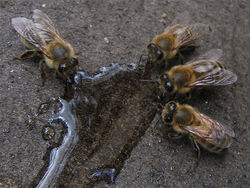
(218, 70)
(221, 144)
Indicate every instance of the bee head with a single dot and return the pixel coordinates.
(168, 112)
(70, 67)
(166, 83)
(184, 117)
(154, 53)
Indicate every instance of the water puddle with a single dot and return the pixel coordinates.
(59, 155)
(105, 117)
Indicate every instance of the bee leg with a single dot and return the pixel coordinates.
(162, 99)
(147, 68)
(180, 58)
(61, 76)
(184, 98)
(176, 97)
(42, 65)
(159, 107)
(188, 96)
(197, 148)
(190, 47)
(141, 60)
(175, 136)
(27, 54)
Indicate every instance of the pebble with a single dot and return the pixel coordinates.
(164, 15)
(106, 40)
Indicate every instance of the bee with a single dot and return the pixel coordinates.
(179, 36)
(206, 70)
(42, 39)
(202, 130)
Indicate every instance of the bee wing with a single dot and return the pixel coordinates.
(25, 28)
(188, 34)
(45, 27)
(214, 76)
(213, 55)
(211, 131)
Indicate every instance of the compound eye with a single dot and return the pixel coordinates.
(168, 118)
(164, 77)
(62, 67)
(169, 86)
(159, 54)
(172, 106)
(151, 46)
(74, 61)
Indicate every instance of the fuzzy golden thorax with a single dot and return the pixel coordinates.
(179, 116)
(181, 76)
(166, 42)
(60, 50)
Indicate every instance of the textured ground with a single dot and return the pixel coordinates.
(129, 26)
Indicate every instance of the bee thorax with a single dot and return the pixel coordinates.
(184, 117)
(59, 52)
(181, 77)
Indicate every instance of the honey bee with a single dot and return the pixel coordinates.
(206, 70)
(42, 39)
(179, 36)
(201, 129)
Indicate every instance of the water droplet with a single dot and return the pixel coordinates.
(109, 172)
(43, 108)
(48, 132)
(30, 123)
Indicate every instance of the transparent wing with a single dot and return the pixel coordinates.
(216, 76)
(45, 27)
(213, 55)
(211, 131)
(187, 35)
(25, 27)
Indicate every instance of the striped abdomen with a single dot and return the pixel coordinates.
(221, 144)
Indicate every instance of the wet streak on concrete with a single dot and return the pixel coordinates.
(111, 125)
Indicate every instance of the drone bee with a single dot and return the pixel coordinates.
(204, 71)
(201, 129)
(179, 36)
(44, 40)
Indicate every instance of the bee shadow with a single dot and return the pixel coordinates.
(204, 94)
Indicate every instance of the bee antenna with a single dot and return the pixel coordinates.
(161, 105)
(140, 60)
(148, 80)
(156, 120)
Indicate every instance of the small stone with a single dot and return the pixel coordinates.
(43, 5)
(163, 21)
(153, 164)
(106, 40)
(164, 15)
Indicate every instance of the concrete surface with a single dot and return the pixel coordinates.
(129, 26)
